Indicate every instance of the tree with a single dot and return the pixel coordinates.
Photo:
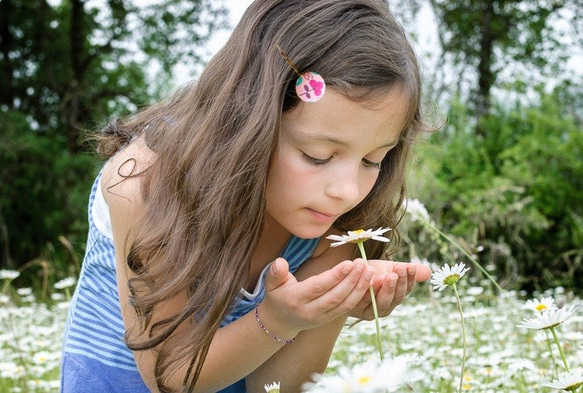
(74, 63)
(489, 35)
(67, 68)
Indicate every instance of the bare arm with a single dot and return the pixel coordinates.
(238, 349)
(294, 364)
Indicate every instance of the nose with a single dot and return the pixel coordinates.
(344, 185)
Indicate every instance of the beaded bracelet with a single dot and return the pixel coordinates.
(273, 336)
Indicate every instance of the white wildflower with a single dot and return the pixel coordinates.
(8, 274)
(569, 381)
(542, 305)
(549, 319)
(272, 388)
(447, 276)
(359, 236)
(65, 283)
(416, 209)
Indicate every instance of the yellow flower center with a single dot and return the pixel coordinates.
(541, 307)
(359, 231)
(364, 380)
(451, 279)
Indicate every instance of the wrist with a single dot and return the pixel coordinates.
(277, 331)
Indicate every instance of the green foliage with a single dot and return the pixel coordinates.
(64, 69)
(515, 192)
(43, 191)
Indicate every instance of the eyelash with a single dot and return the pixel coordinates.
(319, 161)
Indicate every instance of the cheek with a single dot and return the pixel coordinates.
(287, 177)
(367, 185)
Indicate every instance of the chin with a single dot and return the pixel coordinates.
(311, 232)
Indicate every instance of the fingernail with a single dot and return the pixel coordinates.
(393, 282)
(368, 274)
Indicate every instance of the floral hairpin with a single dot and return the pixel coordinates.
(310, 86)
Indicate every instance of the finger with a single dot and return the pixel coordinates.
(386, 295)
(277, 274)
(318, 285)
(357, 296)
(411, 277)
(402, 285)
(346, 294)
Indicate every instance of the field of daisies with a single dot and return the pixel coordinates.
(512, 344)
(458, 332)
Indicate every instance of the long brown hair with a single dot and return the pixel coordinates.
(205, 194)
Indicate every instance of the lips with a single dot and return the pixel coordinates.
(323, 217)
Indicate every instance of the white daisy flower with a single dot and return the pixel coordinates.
(447, 276)
(359, 236)
(549, 319)
(542, 305)
(65, 283)
(6, 274)
(569, 381)
(417, 210)
(272, 388)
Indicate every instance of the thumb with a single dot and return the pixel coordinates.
(277, 274)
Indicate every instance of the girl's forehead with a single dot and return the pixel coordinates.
(336, 117)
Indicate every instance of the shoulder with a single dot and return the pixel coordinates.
(121, 176)
(121, 185)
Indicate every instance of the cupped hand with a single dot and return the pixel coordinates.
(392, 282)
(291, 306)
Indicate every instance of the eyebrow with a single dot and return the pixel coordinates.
(327, 138)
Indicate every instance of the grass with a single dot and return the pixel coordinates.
(426, 328)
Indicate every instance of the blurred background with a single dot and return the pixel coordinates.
(503, 177)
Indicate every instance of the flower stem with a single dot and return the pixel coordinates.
(459, 302)
(556, 338)
(374, 307)
(470, 257)
(552, 355)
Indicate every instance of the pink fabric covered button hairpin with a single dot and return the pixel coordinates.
(310, 86)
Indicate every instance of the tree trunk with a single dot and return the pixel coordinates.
(73, 98)
(6, 82)
(485, 74)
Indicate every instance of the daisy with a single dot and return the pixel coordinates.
(416, 209)
(8, 274)
(542, 305)
(272, 388)
(549, 319)
(359, 236)
(569, 381)
(65, 283)
(447, 275)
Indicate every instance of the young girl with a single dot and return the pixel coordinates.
(207, 265)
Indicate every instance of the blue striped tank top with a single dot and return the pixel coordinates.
(95, 357)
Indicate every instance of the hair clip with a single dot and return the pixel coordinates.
(310, 86)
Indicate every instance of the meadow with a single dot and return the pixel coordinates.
(422, 342)
(459, 332)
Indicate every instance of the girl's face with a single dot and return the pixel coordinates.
(328, 159)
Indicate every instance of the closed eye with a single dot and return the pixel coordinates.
(315, 161)
(371, 164)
